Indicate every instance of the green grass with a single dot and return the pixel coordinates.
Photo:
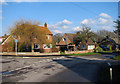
(116, 57)
(62, 53)
(85, 54)
(106, 52)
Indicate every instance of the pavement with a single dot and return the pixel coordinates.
(54, 68)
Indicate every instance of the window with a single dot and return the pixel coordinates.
(90, 47)
(36, 46)
(1, 40)
(64, 39)
(46, 46)
(48, 37)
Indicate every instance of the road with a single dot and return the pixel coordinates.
(54, 68)
(82, 72)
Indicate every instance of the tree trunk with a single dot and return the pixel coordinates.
(32, 47)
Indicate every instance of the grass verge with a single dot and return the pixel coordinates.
(116, 57)
(85, 54)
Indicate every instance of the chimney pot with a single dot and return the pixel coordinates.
(45, 25)
(5, 35)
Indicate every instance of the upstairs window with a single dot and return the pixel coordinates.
(48, 37)
(64, 39)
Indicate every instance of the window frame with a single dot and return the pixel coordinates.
(37, 45)
(48, 37)
(64, 39)
(46, 45)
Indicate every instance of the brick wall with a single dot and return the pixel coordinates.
(47, 50)
(29, 53)
(0, 48)
(77, 52)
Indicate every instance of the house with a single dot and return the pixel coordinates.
(44, 47)
(4, 44)
(35, 47)
(67, 43)
(107, 43)
(87, 45)
(117, 42)
(2, 38)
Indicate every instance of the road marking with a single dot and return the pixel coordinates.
(46, 60)
(26, 57)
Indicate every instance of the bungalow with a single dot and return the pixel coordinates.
(67, 43)
(108, 44)
(35, 47)
(87, 45)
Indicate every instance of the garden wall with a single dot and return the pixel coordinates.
(77, 52)
(29, 53)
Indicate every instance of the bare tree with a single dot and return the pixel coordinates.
(27, 32)
(83, 35)
(101, 34)
(56, 38)
(117, 26)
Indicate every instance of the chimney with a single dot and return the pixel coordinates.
(5, 35)
(45, 25)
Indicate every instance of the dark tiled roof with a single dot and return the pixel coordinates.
(70, 36)
(90, 41)
(108, 41)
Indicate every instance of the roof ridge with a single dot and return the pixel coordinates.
(46, 29)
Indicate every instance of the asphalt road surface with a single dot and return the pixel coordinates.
(54, 69)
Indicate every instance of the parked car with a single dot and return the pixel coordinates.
(105, 48)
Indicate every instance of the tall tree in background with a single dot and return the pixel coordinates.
(101, 34)
(56, 38)
(117, 31)
(83, 35)
(27, 32)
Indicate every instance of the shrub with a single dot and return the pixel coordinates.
(98, 49)
(55, 49)
(110, 48)
(117, 57)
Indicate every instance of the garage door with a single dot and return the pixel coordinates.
(91, 47)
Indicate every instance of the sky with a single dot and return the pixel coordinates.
(61, 17)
